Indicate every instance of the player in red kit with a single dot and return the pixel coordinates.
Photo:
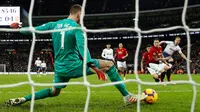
(157, 62)
(145, 57)
(121, 55)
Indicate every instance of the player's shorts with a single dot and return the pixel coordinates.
(37, 68)
(169, 56)
(155, 68)
(166, 54)
(78, 72)
(43, 68)
(121, 64)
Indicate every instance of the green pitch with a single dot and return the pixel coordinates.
(172, 98)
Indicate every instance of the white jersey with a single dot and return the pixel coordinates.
(38, 63)
(171, 48)
(43, 65)
(107, 54)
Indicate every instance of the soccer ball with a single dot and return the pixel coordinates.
(152, 96)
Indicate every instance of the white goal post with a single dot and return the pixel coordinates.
(3, 68)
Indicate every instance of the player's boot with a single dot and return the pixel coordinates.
(130, 99)
(15, 102)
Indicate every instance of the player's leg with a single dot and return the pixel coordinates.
(119, 67)
(48, 92)
(124, 73)
(169, 72)
(162, 76)
(44, 93)
(168, 75)
(36, 68)
(159, 67)
(124, 69)
(38, 71)
(44, 71)
(154, 74)
(110, 69)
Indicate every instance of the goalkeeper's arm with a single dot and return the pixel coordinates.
(43, 27)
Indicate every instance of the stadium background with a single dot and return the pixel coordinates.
(15, 48)
(107, 14)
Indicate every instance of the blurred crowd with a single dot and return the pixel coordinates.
(18, 62)
(180, 64)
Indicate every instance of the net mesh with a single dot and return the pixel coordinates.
(86, 83)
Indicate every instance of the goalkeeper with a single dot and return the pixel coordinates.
(69, 51)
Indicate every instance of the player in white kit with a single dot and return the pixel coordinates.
(169, 51)
(38, 65)
(44, 67)
(108, 53)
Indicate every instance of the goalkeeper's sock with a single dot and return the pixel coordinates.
(114, 76)
(40, 94)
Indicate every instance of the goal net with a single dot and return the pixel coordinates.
(85, 82)
(3, 68)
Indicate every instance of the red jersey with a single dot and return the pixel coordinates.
(155, 52)
(121, 53)
(146, 57)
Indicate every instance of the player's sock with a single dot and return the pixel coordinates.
(156, 80)
(162, 76)
(124, 75)
(40, 94)
(169, 75)
(114, 76)
(153, 72)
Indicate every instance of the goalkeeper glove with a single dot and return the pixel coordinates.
(101, 75)
(15, 25)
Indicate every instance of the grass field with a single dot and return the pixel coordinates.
(172, 98)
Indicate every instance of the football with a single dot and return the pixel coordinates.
(152, 96)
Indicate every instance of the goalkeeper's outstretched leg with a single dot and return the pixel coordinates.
(104, 65)
(50, 92)
(112, 72)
